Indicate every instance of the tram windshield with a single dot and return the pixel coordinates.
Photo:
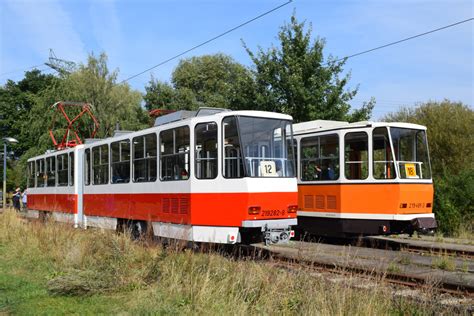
(411, 153)
(257, 147)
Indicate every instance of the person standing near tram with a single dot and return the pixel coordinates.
(16, 199)
(24, 199)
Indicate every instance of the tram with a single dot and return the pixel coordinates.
(363, 178)
(211, 175)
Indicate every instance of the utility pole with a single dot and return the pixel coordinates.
(6, 140)
(64, 67)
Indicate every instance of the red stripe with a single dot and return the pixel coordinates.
(66, 203)
(211, 209)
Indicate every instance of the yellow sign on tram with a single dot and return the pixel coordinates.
(410, 170)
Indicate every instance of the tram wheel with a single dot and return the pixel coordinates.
(138, 229)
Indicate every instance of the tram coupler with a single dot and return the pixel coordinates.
(274, 236)
(424, 226)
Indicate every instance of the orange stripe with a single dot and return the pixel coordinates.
(366, 198)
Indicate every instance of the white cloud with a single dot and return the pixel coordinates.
(44, 25)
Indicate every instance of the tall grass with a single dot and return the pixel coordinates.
(98, 271)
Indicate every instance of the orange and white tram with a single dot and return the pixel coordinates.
(364, 178)
(207, 176)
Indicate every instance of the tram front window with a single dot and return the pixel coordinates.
(257, 147)
(411, 153)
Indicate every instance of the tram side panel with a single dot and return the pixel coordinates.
(56, 196)
(365, 201)
(363, 208)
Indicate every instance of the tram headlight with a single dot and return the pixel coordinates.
(292, 208)
(254, 210)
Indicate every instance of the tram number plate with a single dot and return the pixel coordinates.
(268, 169)
(273, 212)
(410, 170)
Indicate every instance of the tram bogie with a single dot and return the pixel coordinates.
(364, 178)
(204, 177)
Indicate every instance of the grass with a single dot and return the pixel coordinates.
(444, 263)
(54, 269)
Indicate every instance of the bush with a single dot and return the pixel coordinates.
(454, 202)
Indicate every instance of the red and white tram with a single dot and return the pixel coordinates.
(207, 176)
(364, 178)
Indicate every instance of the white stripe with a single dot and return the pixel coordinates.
(395, 217)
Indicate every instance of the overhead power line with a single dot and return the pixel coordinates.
(209, 40)
(20, 70)
(405, 39)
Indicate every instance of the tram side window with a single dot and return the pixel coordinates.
(100, 164)
(384, 167)
(120, 164)
(206, 150)
(320, 158)
(62, 163)
(144, 158)
(356, 156)
(40, 173)
(233, 162)
(31, 174)
(71, 169)
(174, 154)
(51, 171)
(87, 167)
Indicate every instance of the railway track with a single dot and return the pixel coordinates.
(413, 277)
(421, 246)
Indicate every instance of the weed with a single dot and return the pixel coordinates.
(444, 263)
(393, 268)
(55, 269)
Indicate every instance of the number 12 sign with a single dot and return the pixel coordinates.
(268, 169)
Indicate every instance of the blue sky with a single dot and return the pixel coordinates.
(139, 34)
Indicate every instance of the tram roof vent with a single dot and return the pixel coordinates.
(317, 125)
(120, 133)
(174, 117)
(205, 111)
(91, 140)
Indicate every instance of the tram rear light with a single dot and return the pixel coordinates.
(292, 233)
(254, 210)
(292, 208)
(428, 204)
(403, 205)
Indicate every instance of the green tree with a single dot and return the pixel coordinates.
(112, 102)
(16, 101)
(209, 80)
(162, 95)
(450, 136)
(92, 83)
(295, 78)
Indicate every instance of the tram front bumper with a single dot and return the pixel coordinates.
(270, 223)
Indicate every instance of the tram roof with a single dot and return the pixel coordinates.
(171, 124)
(325, 125)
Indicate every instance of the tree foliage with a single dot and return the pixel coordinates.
(28, 113)
(450, 136)
(209, 80)
(295, 78)
(16, 101)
